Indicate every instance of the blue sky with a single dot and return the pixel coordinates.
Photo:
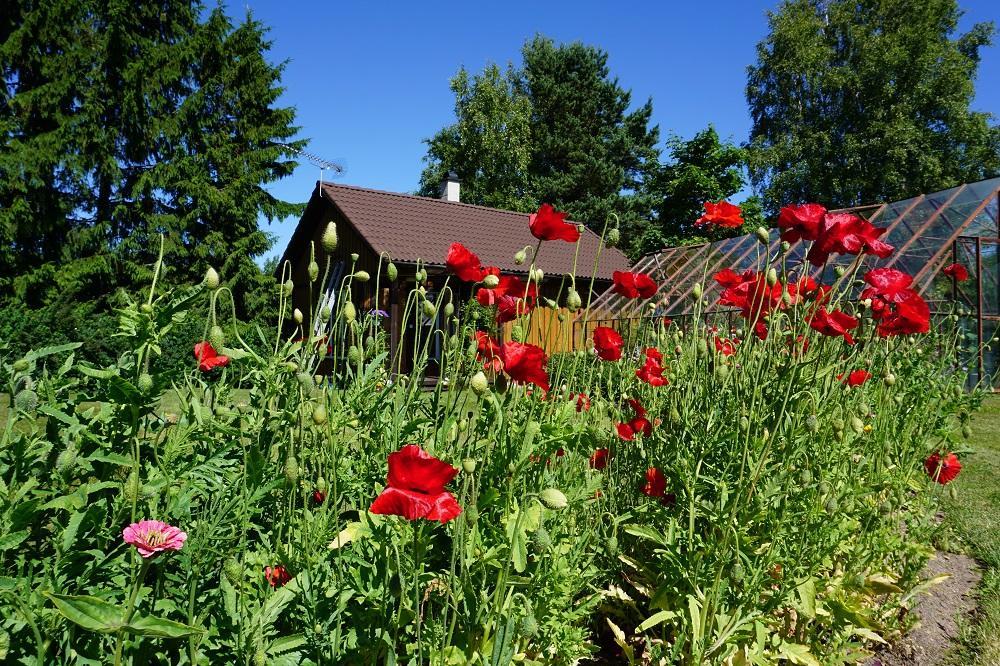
(370, 80)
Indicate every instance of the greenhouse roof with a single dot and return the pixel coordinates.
(928, 231)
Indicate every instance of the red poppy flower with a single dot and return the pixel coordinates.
(722, 214)
(888, 284)
(656, 483)
(525, 363)
(464, 263)
(856, 378)
(652, 371)
(633, 285)
(582, 401)
(549, 224)
(844, 233)
(599, 459)
(908, 317)
(319, 496)
(208, 358)
(834, 324)
(277, 576)
(415, 487)
(607, 343)
(510, 308)
(725, 346)
(957, 272)
(800, 222)
(727, 277)
(488, 351)
(943, 470)
(638, 425)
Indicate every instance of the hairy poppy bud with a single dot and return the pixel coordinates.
(763, 236)
(553, 498)
(449, 309)
(736, 572)
(233, 571)
(329, 239)
(824, 488)
(217, 337)
(613, 237)
(350, 312)
(297, 315)
(354, 354)
(549, 303)
(66, 459)
(536, 275)
(146, 308)
(132, 488)
(145, 383)
(319, 415)
(291, 469)
(857, 425)
(287, 288)
(696, 291)
(805, 476)
(305, 380)
(26, 400)
(529, 626)
(211, 278)
(362, 276)
(543, 541)
(772, 276)
(890, 379)
(260, 657)
(966, 432)
(722, 371)
(479, 383)
(786, 298)
(429, 309)
(744, 424)
(491, 281)
(812, 423)
(325, 312)
(391, 272)
(313, 271)
(520, 257)
(675, 415)
(573, 300)
(421, 275)
(831, 505)
(20, 365)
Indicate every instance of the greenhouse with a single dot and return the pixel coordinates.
(929, 232)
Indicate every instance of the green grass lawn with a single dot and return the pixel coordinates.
(974, 517)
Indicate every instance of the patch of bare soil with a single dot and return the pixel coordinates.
(941, 613)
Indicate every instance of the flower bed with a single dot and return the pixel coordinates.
(676, 493)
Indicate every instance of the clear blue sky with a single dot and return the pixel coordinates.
(370, 79)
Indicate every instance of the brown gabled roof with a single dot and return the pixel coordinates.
(409, 228)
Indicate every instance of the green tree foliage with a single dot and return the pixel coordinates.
(857, 101)
(701, 169)
(488, 146)
(124, 121)
(557, 130)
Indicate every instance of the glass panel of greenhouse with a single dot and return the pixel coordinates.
(929, 231)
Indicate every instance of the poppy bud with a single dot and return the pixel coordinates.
(702, 348)
(26, 400)
(838, 423)
(132, 488)
(824, 488)
(297, 315)
(890, 379)
(772, 276)
(573, 300)
(613, 237)
(549, 303)
(66, 459)
(966, 432)
(479, 383)
(449, 309)
(217, 337)
(744, 424)
(146, 308)
(287, 287)
(305, 380)
(543, 541)
(675, 415)
(491, 281)
(291, 469)
(319, 415)
(520, 257)
(812, 423)
(325, 312)
(329, 239)
(354, 354)
(696, 291)
(786, 298)
(429, 309)
(857, 425)
(766, 434)
(840, 271)
(553, 498)
(349, 312)
(736, 573)
(362, 276)
(421, 275)
(145, 383)
(354, 256)
(529, 626)
(785, 246)
(722, 371)
(391, 272)
(536, 275)
(260, 657)
(831, 505)
(233, 571)
(313, 271)
(20, 365)
(805, 476)
(763, 236)
(561, 316)
(211, 278)
(453, 432)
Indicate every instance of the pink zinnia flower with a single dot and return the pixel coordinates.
(152, 537)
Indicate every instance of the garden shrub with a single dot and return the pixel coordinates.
(760, 495)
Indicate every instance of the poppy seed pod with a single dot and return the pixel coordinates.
(553, 498)
(354, 256)
(297, 316)
(329, 238)
(613, 237)
(491, 281)
(479, 383)
(313, 271)
(362, 276)
(217, 337)
(391, 272)
(211, 278)
(350, 312)
(785, 246)
(696, 291)
(772, 276)
(762, 235)
(573, 300)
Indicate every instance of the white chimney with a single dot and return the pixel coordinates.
(450, 187)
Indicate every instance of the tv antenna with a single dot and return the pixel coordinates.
(315, 160)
